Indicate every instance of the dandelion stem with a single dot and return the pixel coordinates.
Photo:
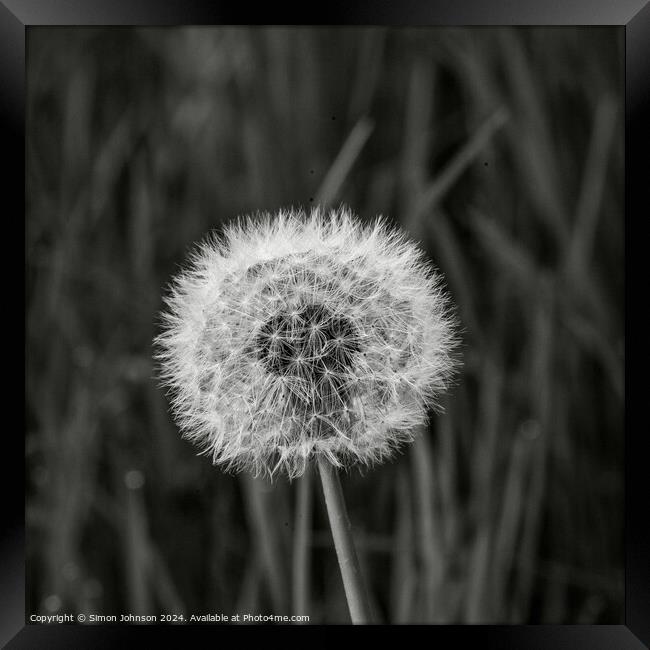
(302, 545)
(355, 591)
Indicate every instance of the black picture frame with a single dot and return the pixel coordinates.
(634, 15)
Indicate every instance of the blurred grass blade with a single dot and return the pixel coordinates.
(248, 599)
(341, 166)
(434, 193)
(478, 592)
(509, 525)
(593, 186)
(542, 376)
(166, 590)
(532, 142)
(403, 578)
(138, 556)
(428, 535)
(369, 62)
(505, 251)
(266, 538)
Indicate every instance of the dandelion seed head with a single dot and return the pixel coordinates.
(296, 334)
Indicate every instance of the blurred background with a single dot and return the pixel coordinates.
(499, 149)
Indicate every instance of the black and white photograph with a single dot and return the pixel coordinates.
(325, 325)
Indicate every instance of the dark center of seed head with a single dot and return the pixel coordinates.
(310, 342)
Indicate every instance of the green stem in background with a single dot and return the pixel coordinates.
(355, 590)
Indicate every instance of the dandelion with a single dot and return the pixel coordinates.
(296, 337)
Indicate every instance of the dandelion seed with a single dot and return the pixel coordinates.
(294, 336)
